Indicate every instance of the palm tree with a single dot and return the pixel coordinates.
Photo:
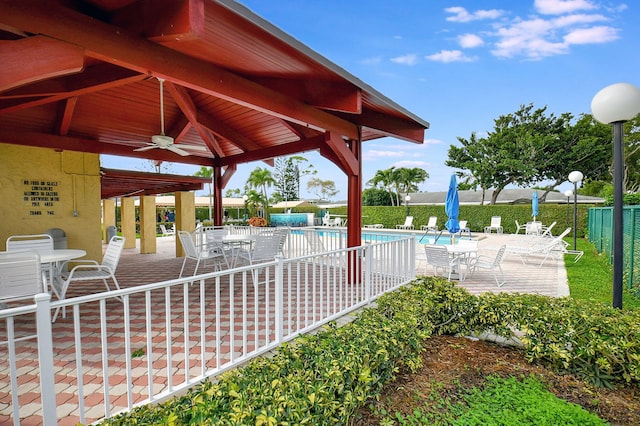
(385, 178)
(261, 179)
(407, 180)
(208, 173)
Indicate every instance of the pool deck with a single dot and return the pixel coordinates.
(550, 279)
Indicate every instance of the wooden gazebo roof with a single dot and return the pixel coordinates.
(84, 76)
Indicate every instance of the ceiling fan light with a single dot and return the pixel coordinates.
(162, 141)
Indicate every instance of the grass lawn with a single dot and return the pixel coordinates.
(591, 278)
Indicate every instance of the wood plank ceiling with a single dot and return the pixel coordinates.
(84, 76)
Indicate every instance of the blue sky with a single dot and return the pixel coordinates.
(457, 64)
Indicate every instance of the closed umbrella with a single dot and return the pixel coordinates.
(452, 207)
(534, 205)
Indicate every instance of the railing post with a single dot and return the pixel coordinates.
(368, 262)
(279, 294)
(45, 358)
(412, 257)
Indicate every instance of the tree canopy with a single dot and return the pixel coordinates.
(530, 146)
(397, 181)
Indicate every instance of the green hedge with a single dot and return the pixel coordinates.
(477, 216)
(323, 379)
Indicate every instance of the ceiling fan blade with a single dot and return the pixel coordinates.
(177, 150)
(192, 147)
(147, 148)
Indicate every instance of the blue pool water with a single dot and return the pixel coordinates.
(381, 237)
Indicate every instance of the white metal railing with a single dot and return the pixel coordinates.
(119, 349)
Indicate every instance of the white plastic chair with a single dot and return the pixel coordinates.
(168, 232)
(90, 270)
(496, 225)
(493, 264)
(314, 242)
(408, 223)
(36, 243)
(432, 224)
(520, 227)
(438, 257)
(191, 252)
(20, 276)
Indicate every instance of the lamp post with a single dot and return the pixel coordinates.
(406, 203)
(568, 193)
(575, 177)
(245, 197)
(614, 105)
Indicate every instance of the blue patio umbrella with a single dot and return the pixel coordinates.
(534, 205)
(452, 207)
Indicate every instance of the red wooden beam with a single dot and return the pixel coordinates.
(114, 45)
(37, 58)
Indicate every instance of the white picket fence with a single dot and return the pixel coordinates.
(124, 348)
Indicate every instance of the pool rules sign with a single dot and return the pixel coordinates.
(41, 196)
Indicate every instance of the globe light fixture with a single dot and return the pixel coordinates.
(245, 198)
(568, 193)
(575, 177)
(614, 105)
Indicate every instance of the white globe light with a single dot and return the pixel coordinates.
(617, 102)
(407, 198)
(568, 193)
(575, 176)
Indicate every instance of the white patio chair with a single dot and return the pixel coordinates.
(520, 227)
(438, 257)
(168, 232)
(264, 249)
(432, 224)
(408, 223)
(199, 254)
(464, 229)
(546, 230)
(20, 276)
(496, 225)
(492, 264)
(313, 241)
(36, 243)
(91, 270)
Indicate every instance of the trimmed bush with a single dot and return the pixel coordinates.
(323, 379)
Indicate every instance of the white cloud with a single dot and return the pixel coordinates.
(467, 41)
(447, 56)
(591, 35)
(559, 7)
(410, 59)
(411, 164)
(373, 154)
(462, 15)
(537, 38)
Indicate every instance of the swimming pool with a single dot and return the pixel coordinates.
(379, 236)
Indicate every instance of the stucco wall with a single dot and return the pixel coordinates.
(43, 188)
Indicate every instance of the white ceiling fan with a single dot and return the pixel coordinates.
(163, 141)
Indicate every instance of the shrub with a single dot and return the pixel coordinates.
(324, 378)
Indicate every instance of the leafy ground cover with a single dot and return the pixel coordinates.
(454, 365)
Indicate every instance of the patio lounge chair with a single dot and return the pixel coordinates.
(496, 225)
(432, 225)
(408, 223)
(520, 227)
(547, 247)
(492, 264)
